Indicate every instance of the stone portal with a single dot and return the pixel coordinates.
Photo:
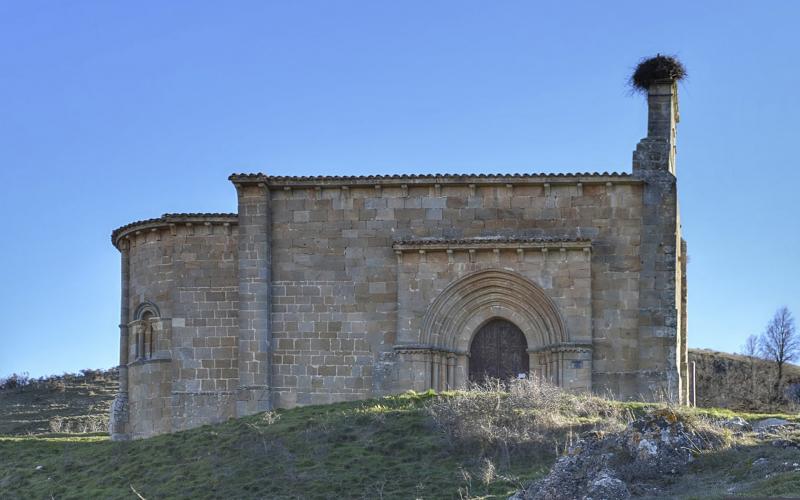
(498, 351)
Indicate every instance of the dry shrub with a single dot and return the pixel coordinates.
(15, 381)
(81, 424)
(56, 424)
(703, 432)
(92, 375)
(487, 471)
(56, 384)
(519, 418)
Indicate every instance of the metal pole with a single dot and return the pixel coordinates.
(694, 384)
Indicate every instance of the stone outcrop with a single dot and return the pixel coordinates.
(615, 466)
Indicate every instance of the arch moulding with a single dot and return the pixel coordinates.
(144, 308)
(466, 304)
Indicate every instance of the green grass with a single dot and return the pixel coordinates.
(638, 408)
(370, 449)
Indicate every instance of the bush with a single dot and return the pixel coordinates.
(792, 393)
(81, 424)
(90, 375)
(15, 381)
(519, 418)
(56, 424)
(56, 384)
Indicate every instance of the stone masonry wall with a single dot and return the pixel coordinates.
(188, 270)
(150, 378)
(149, 402)
(334, 270)
(255, 301)
(564, 276)
(660, 317)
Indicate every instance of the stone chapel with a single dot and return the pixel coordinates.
(326, 289)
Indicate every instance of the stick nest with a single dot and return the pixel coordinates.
(658, 68)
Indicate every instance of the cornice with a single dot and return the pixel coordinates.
(490, 243)
(167, 221)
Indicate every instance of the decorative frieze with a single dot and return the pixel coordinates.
(563, 347)
(492, 244)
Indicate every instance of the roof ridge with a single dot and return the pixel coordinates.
(262, 176)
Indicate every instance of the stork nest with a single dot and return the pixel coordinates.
(654, 69)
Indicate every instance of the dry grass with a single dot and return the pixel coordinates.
(514, 421)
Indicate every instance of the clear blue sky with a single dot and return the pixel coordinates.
(117, 111)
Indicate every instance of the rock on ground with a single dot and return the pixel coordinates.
(736, 424)
(769, 422)
(614, 466)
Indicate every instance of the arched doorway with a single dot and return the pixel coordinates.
(499, 350)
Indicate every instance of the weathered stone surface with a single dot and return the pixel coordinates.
(657, 445)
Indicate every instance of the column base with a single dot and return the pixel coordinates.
(118, 419)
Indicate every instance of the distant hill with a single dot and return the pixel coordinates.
(69, 403)
(738, 382)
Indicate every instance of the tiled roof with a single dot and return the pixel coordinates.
(171, 218)
(259, 177)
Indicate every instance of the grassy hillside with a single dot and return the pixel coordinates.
(384, 448)
(737, 382)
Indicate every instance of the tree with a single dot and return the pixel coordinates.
(750, 347)
(751, 350)
(780, 343)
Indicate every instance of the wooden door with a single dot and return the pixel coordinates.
(498, 350)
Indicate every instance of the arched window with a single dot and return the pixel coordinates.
(146, 315)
